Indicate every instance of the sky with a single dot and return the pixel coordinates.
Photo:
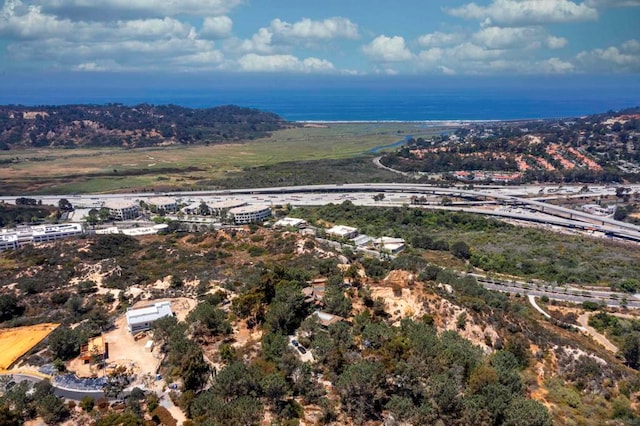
(329, 37)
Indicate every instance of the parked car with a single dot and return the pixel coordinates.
(302, 350)
(295, 343)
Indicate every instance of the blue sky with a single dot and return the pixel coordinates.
(329, 37)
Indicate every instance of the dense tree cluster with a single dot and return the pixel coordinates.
(130, 126)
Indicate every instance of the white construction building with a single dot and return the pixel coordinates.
(141, 319)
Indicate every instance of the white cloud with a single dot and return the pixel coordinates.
(517, 37)
(613, 3)
(31, 23)
(473, 52)
(280, 35)
(439, 39)
(260, 42)
(122, 9)
(283, 63)
(625, 58)
(387, 49)
(216, 27)
(556, 42)
(331, 28)
(557, 66)
(431, 56)
(526, 12)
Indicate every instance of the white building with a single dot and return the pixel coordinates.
(250, 214)
(44, 233)
(163, 203)
(290, 222)
(342, 231)
(8, 241)
(14, 238)
(389, 245)
(122, 209)
(141, 319)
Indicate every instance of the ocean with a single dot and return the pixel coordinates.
(364, 100)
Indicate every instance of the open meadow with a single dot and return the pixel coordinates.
(96, 170)
(15, 342)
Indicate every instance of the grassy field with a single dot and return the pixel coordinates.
(172, 167)
(15, 342)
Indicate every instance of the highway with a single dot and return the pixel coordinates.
(520, 202)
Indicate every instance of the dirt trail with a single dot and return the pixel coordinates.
(583, 320)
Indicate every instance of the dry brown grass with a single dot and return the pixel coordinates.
(15, 342)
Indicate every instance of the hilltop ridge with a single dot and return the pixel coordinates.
(118, 125)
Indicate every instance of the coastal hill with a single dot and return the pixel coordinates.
(130, 126)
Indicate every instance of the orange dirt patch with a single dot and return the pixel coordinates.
(17, 341)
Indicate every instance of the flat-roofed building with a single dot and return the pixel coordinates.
(141, 319)
(8, 241)
(290, 222)
(14, 238)
(122, 209)
(44, 233)
(250, 214)
(163, 203)
(342, 231)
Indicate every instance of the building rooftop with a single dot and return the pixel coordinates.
(149, 313)
(290, 221)
(52, 229)
(119, 204)
(326, 319)
(161, 201)
(249, 209)
(342, 230)
(227, 204)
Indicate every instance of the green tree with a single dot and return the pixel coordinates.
(630, 349)
(51, 409)
(461, 250)
(274, 387)
(287, 310)
(208, 320)
(195, 370)
(9, 307)
(361, 388)
(237, 379)
(65, 205)
(87, 403)
(335, 302)
(65, 342)
(526, 412)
